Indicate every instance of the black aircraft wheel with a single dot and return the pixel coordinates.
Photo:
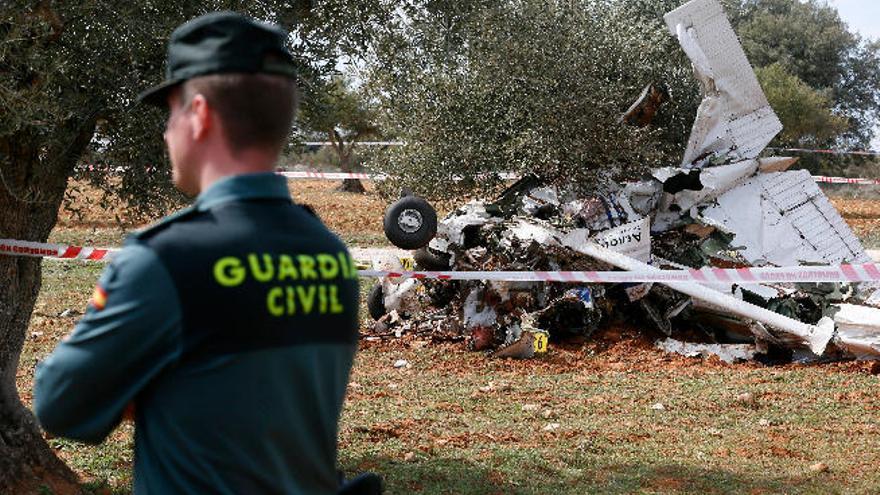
(410, 222)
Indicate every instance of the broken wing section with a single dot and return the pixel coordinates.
(734, 121)
(784, 219)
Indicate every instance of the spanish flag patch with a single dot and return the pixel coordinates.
(99, 298)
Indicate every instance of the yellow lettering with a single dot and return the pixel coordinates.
(262, 274)
(306, 298)
(286, 268)
(275, 308)
(307, 267)
(322, 299)
(328, 266)
(228, 271)
(343, 265)
(335, 307)
(291, 300)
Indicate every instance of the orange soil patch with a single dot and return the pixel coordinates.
(345, 213)
(862, 215)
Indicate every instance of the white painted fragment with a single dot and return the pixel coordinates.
(734, 120)
(729, 353)
(784, 219)
(632, 239)
(858, 330)
(477, 314)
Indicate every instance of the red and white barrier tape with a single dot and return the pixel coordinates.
(41, 250)
(309, 174)
(365, 176)
(846, 180)
(828, 152)
(867, 272)
(357, 143)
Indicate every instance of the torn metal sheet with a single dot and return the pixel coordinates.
(642, 197)
(476, 312)
(524, 231)
(784, 219)
(685, 189)
(454, 228)
(632, 239)
(858, 330)
(401, 297)
(540, 200)
(734, 122)
(598, 212)
(729, 353)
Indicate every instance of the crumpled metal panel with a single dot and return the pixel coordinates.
(784, 219)
(858, 330)
(734, 120)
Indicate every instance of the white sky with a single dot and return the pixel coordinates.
(862, 16)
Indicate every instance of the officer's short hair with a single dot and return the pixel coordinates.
(257, 110)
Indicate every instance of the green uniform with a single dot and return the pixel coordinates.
(232, 327)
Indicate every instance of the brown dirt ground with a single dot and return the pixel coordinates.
(343, 213)
(862, 215)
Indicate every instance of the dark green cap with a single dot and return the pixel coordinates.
(221, 42)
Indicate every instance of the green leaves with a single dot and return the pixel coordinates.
(806, 113)
(526, 86)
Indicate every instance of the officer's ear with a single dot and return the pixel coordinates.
(201, 115)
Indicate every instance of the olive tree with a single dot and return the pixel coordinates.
(344, 117)
(528, 86)
(69, 72)
(538, 86)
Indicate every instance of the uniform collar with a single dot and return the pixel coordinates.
(265, 185)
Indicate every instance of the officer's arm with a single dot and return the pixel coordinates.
(121, 343)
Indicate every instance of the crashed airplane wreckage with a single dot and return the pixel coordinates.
(722, 207)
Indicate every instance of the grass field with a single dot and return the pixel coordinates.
(611, 416)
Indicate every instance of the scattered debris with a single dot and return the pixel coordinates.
(401, 363)
(858, 330)
(729, 353)
(552, 427)
(724, 206)
(658, 407)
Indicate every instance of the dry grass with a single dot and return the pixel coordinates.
(863, 217)
(457, 422)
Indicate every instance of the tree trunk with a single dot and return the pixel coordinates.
(348, 185)
(351, 186)
(34, 178)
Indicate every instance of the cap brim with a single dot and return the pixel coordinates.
(158, 95)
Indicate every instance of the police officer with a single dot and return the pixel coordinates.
(231, 326)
